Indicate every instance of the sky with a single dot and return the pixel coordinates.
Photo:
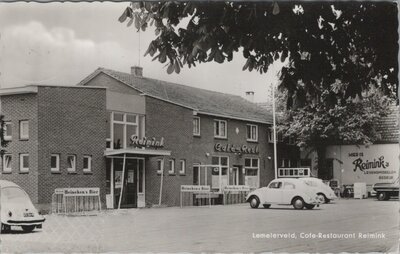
(62, 43)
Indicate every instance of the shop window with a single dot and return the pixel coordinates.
(220, 127)
(71, 163)
(196, 126)
(24, 129)
(252, 132)
(171, 166)
(196, 174)
(7, 131)
(108, 131)
(182, 167)
(160, 166)
(87, 164)
(55, 163)
(219, 179)
(24, 162)
(124, 126)
(7, 163)
(251, 166)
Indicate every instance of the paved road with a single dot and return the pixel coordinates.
(234, 228)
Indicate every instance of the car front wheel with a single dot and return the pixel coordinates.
(254, 202)
(322, 198)
(298, 203)
(28, 228)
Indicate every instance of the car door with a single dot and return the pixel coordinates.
(273, 193)
(288, 191)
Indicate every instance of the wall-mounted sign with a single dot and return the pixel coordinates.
(195, 188)
(229, 148)
(236, 188)
(146, 142)
(78, 191)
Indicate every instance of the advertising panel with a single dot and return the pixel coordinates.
(369, 164)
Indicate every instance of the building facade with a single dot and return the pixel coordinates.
(137, 139)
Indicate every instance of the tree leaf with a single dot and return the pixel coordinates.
(170, 68)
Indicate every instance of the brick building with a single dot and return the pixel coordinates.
(136, 138)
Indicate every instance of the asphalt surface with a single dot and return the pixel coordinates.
(344, 226)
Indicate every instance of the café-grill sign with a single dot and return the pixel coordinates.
(229, 148)
(146, 142)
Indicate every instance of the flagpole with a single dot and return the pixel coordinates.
(274, 127)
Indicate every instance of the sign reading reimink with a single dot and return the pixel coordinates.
(195, 188)
(229, 148)
(146, 142)
(78, 191)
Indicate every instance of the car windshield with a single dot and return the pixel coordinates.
(13, 195)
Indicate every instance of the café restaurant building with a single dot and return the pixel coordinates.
(137, 139)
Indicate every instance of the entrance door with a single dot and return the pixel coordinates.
(130, 197)
(235, 176)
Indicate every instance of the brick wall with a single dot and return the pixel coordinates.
(71, 121)
(16, 108)
(174, 123)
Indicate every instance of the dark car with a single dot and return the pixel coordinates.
(384, 191)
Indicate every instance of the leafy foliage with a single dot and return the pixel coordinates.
(3, 143)
(354, 43)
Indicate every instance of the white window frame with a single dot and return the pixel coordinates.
(196, 119)
(21, 164)
(23, 123)
(89, 168)
(182, 166)
(171, 164)
(251, 132)
(7, 169)
(253, 167)
(160, 162)
(7, 137)
(57, 168)
(217, 125)
(73, 168)
(140, 127)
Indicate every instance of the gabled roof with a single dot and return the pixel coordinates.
(203, 101)
(388, 127)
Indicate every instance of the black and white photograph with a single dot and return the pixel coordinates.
(199, 126)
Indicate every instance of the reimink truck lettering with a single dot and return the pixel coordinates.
(377, 163)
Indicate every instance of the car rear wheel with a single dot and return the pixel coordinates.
(309, 206)
(254, 202)
(298, 203)
(28, 228)
(383, 196)
(267, 205)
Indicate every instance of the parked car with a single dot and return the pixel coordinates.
(384, 191)
(324, 192)
(284, 191)
(17, 208)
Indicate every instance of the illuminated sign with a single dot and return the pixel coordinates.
(229, 148)
(146, 142)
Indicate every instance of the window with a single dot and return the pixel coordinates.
(196, 126)
(24, 129)
(7, 163)
(123, 127)
(275, 185)
(87, 163)
(251, 166)
(182, 167)
(160, 166)
(171, 166)
(71, 163)
(220, 128)
(271, 136)
(24, 162)
(7, 131)
(252, 132)
(222, 162)
(55, 162)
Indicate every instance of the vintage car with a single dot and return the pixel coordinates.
(384, 191)
(284, 191)
(324, 192)
(17, 208)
